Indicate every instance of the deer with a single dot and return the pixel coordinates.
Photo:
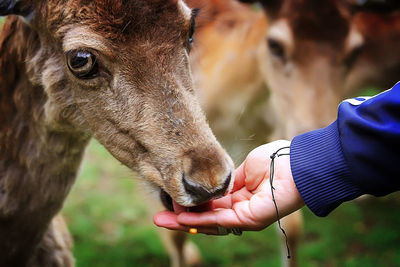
(114, 70)
(328, 51)
(275, 70)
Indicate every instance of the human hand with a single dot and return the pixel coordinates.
(249, 206)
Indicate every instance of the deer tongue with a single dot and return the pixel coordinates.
(178, 208)
(172, 205)
(200, 208)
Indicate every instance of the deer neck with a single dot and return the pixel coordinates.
(38, 161)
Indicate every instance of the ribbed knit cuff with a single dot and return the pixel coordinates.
(320, 171)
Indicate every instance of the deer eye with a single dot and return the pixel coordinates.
(353, 56)
(276, 48)
(192, 28)
(82, 64)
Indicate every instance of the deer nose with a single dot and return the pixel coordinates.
(201, 194)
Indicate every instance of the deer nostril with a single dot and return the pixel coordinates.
(201, 194)
(196, 191)
(226, 184)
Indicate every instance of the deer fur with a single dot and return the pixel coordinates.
(141, 106)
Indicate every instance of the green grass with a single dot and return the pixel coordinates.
(107, 217)
(111, 224)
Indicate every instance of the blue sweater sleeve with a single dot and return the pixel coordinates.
(357, 154)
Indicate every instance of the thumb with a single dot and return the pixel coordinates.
(240, 178)
(256, 167)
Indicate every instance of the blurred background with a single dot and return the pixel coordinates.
(264, 71)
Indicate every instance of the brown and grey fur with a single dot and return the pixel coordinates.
(142, 108)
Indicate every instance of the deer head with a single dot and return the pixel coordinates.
(311, 50)
(118, 70)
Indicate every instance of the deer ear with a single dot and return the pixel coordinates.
(15, 7)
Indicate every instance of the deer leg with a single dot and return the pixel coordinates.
(173, 243)
(182, 252)
(293, 226)
(55, 249)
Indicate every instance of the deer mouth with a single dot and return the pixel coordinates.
(173, 206)
(166, 200)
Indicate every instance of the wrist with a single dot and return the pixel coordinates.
(320, 170)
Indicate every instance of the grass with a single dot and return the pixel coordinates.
(109, 218)
(106, 215)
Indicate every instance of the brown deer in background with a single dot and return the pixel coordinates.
(115, 70)
(319, 52)
(272, 75)
(300, 51)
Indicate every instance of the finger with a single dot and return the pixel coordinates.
(241, 195)
(222, 203)
(227, 201)
(222, 217)
(168, 219)
(239, 178)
